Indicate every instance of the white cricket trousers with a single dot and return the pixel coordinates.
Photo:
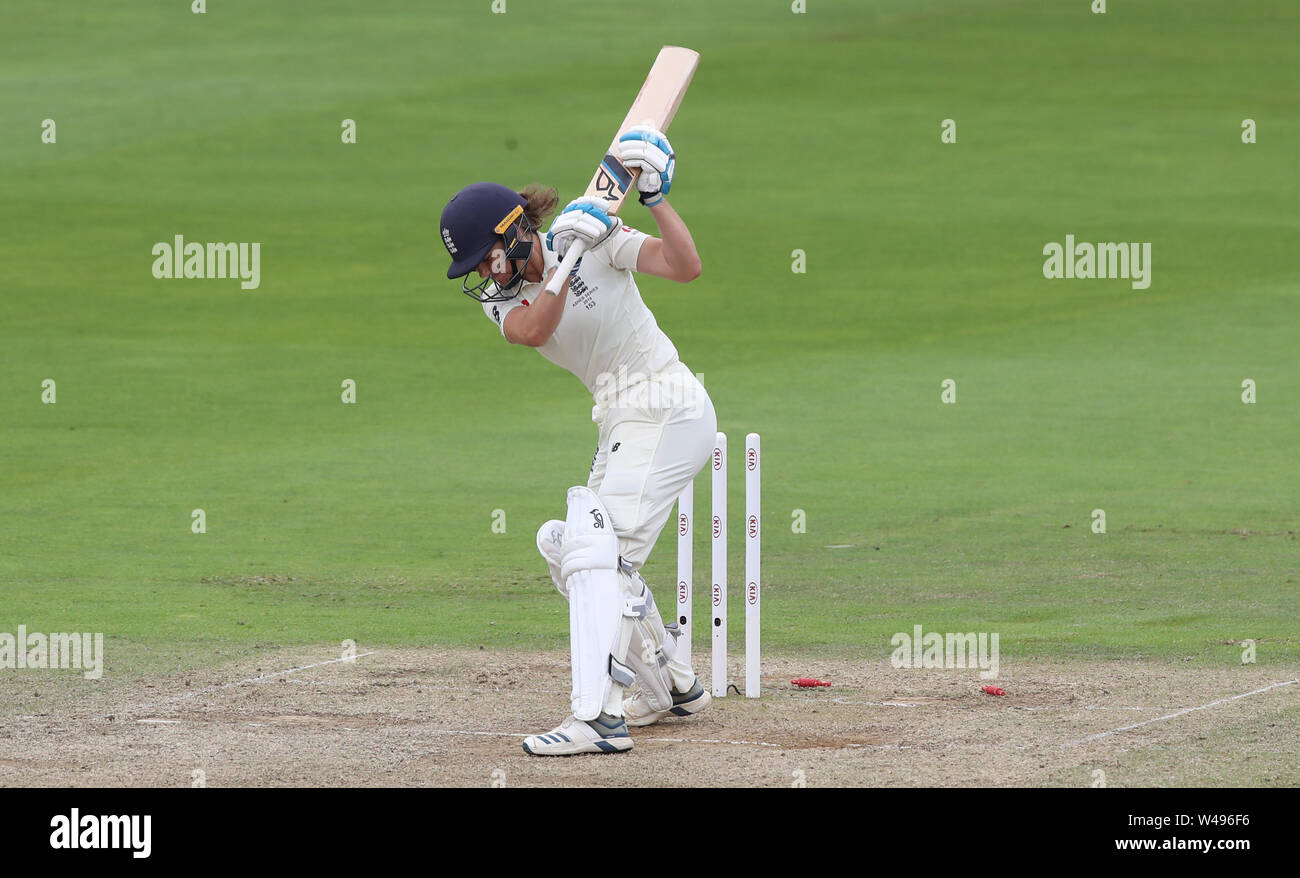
(653, 440)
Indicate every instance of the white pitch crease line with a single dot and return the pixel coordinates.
(220, 686)
(1179, 713)
(1103, 707)
(1065, 707)
(417, 684)
(715, 741)
(671, 740)
(660, 740)
(849, 746)
(1013, 707)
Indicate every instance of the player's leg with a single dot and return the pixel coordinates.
(651, 647)
(601, 622)
(550, 536)
(652, 456)
(666, 685)
(597, 473)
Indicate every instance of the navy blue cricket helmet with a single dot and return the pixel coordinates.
(473, 222)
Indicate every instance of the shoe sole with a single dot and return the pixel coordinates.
(644, 721)
(617, 745)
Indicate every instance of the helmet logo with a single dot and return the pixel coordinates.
(510, 217)
(446, 239)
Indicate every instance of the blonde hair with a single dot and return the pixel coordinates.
(541, 203)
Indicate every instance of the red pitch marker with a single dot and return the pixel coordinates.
(808, 682)
(993, 690)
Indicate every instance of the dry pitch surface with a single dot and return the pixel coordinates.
(402, 717)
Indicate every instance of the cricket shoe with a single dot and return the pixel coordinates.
(639, 713)
(604, 734)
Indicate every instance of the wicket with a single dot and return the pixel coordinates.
(718, 589)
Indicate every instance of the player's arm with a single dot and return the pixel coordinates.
(672, 255)
(534, 324)
(581, 221)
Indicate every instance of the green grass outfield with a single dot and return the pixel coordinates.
(816, 131)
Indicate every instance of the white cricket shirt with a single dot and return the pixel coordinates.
(606, 329)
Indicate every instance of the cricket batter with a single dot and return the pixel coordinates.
(656, 425)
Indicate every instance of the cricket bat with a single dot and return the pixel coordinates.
(655, 105)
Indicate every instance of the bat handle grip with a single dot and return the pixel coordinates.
(571, 257)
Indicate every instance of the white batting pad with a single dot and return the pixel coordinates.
(589, 567)
(646, 647)
(550, 542)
